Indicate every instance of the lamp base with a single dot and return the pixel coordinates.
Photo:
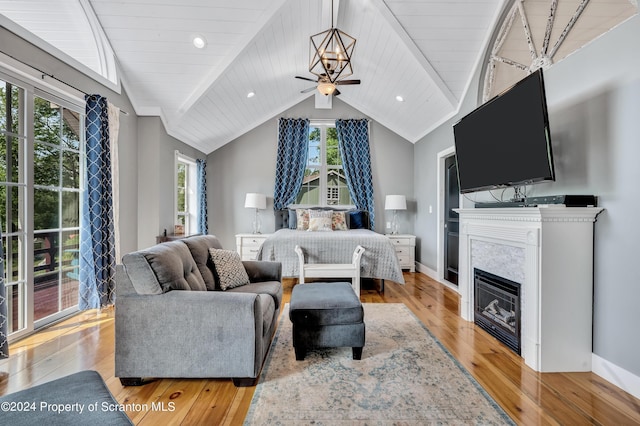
(394, 223)
(256, 223)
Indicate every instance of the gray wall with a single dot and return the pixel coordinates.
(156, 169)
(247, 164)
(594, 106)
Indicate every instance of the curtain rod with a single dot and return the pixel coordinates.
(46, 74)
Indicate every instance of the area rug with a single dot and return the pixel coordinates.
(405, 377)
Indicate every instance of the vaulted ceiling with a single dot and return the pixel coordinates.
(424, 51)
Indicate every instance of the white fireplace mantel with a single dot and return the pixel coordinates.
(549, 251)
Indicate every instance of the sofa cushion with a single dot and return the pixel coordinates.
(199, 246)
(141, 275)
(268, 311)
(272, 288)
(171, 264)
(229, 268)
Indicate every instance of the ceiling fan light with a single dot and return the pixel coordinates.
(326, 88)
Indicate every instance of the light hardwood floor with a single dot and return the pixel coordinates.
(86, 341)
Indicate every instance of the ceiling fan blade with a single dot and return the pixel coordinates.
(335, 93)
(305, 78)
(341, 82)
(308, 90)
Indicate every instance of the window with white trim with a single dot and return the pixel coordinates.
(186, 204)
(324, 182)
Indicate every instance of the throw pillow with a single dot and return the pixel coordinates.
(358, 219)
(338, 221)
(320, 220)
(293, 219)
(229, 268)
(302, 219)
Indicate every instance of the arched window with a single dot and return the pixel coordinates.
(535, 34)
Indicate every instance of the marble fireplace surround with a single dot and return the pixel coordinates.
(549, 251)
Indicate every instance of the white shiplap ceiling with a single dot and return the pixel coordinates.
(424, 51)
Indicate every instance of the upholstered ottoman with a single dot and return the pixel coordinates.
(326, 315)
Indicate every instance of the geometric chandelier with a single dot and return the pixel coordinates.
(330, 55)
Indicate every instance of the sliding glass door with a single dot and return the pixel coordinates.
(40, 195)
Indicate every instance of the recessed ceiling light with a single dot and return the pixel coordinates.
(199, 41)
(399, 98)
(250, 95)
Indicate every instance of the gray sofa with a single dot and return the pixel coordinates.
(172, 320)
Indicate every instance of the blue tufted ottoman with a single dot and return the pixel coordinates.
(326, 315)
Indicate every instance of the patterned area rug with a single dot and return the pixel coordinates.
(405, 377)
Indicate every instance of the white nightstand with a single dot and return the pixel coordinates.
(405, 246)
(247, 245)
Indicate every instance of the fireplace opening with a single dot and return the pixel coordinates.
(497, 307)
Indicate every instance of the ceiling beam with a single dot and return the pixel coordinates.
(271, 13)
(415, 51)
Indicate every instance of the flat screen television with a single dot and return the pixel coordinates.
(506, 141)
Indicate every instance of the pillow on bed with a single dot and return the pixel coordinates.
(320, 220)
(358, 219)
(229, 268)
(339, 221)
(302, 219)
(293, 222)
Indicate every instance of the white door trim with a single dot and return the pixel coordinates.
(442, 156)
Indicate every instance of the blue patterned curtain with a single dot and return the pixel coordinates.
(4, 343)
(353, 143)
(293, 147)
(97, 248)
(203, 227)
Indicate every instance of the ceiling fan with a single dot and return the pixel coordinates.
(326, 86)
(330, 55)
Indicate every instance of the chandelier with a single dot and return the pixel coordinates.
(330, 57)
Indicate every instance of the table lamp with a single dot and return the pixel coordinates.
(258, 202)
(395, 203)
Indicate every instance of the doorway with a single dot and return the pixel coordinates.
(451, 220)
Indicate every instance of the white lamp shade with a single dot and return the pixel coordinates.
(255, 201)
(395, 202)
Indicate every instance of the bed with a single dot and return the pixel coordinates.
(379, 260)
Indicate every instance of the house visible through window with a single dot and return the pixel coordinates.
(324, 181)
(185, 197)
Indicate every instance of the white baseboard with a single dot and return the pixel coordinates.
(434, 276)
(427, 271)
(618, 376)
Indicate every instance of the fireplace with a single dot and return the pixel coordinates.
(549, 251)
(497, 307)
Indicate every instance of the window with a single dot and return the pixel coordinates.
(186, 194)
(539, 31)
(41, 154)
(324, 181)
